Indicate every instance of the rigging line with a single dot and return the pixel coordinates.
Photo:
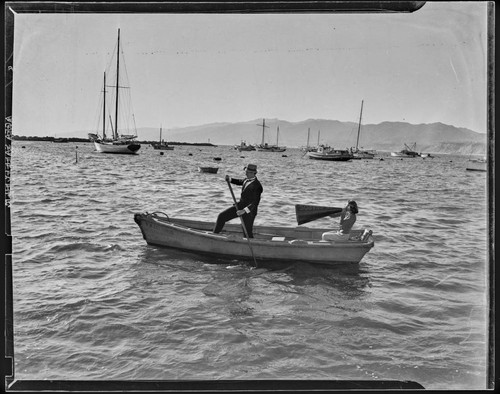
(135, 126)
(10, 57)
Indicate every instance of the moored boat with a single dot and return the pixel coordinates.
(121, 145)
(358, 153)
(270, 148)
(161, 145)
(477, 165)
(328, 153)
(363, 154)
(308, 148)
(264, 146)
(290, 244)
(243, 147)
(407, 151)
(210, 170)
(116, 143)
(60, 140)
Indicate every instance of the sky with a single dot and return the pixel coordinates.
(194, 69)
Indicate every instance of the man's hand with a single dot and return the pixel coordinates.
(240, 212)
(228, 178)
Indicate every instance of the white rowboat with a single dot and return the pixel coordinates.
(477, 165)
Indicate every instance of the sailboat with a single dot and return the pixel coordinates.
(326, 152)
(115, 142)
(264, 146)
(162, 145)
(308, 148)
(359, 153)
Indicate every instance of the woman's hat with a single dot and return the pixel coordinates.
(251, 167)
(354, 206)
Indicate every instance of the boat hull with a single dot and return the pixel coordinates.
(109, 147)
(162, 147)
(243, 147)
(270, 149)
(209, 170)
(329, 157)
(407, 151)
(363, 155)
(476, 165)
(399, 154)
(290, 244)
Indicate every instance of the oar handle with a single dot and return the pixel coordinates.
(236, 207)
(232, 193)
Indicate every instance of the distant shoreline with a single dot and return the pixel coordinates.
(471, 149)
(75, 139)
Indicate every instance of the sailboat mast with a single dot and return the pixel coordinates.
(277, 135)
(359, 125)
(104, 109)
(117, 79)
(308, 134)
(263, 126)
(160, 134)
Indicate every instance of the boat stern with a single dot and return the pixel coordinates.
(134, 147)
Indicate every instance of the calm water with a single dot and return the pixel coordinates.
(93, 301)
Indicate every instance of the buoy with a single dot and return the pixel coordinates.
(161, 153)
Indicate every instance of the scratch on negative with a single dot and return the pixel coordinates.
(454, 72)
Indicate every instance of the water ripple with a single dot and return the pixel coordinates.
(94, 301)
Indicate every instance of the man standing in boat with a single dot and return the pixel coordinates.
(249, 201)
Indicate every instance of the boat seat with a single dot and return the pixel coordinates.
(277, 238)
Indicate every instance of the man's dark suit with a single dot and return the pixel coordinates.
(250, 198)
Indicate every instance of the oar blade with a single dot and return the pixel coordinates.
(308, 213)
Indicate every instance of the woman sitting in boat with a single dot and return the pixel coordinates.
(347, 220)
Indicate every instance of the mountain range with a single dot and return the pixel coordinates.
(385, 136)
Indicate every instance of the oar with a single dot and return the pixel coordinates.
(242, 222)
(308, 213)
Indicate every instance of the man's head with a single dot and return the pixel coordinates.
(251, 170)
